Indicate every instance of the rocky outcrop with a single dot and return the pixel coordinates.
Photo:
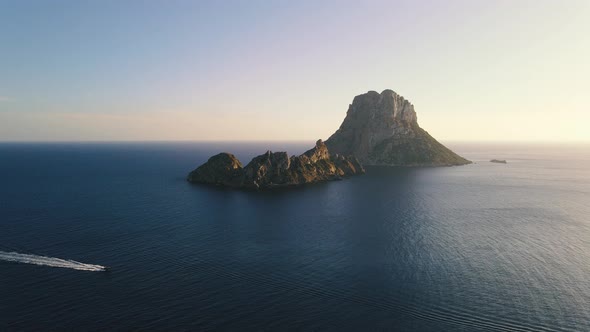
(221, 169)
(382, 129)
(498, 161)
(276, 169)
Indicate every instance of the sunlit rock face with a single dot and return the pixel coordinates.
(276, 169)
(382, 129)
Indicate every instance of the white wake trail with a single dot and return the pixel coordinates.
(49, 261)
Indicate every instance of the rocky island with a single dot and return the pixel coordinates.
(498, 161)
(379, 129)
(382, 129)
(276, 169)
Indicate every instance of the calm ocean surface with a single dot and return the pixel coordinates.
(473, 248)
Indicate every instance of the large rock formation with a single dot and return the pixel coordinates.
(382, 129)
(276, 169)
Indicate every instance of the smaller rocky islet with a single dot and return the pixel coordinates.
(276, 169)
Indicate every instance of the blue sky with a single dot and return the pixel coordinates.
(285, 70)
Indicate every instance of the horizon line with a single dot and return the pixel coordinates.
(273, 140)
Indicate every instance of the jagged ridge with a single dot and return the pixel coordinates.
(276, 169)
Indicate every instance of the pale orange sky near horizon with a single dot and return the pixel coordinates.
(475, 71)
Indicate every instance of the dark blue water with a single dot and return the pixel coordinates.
(479, 247)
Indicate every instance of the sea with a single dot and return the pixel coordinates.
(482, 247)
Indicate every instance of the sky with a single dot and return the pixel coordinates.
(475, 70)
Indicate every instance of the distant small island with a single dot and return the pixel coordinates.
(498, 161)
(379, 129)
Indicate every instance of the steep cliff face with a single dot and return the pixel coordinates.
(382, 129)
(276, 169)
